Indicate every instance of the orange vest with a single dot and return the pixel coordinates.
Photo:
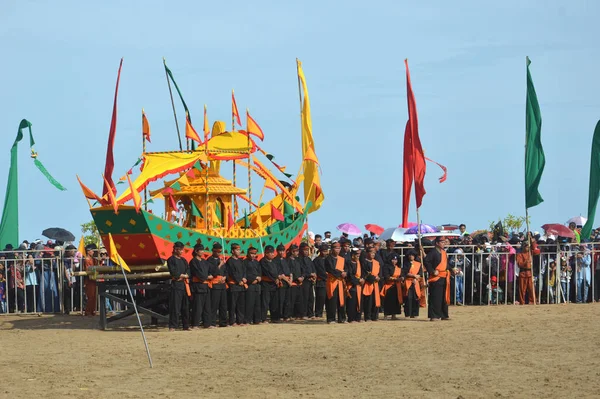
(333, 282)
(390, 284)
(442, 268)
(408, 282)
(369, 288)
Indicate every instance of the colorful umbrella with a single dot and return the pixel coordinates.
(375, 229)
(349, 228)
(396, 234)
(578, 220)
(425, 228)
(558, 230)
(410, 224)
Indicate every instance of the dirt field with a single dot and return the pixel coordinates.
(507, 351)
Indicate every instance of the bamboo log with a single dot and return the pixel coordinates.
(130, 276)
(141, 268)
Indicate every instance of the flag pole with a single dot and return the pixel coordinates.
(527, 209)
(235, 204)
(301, 142)
(143, 153)
(137, 314)
(249, 166)
(173, 105)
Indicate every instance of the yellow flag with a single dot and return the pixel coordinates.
(184, 180)
(312, 180)
(137, 200)
(81, 248)
(270, 185)
(114, 255)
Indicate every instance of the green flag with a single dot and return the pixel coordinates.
(9, 224)
(288, 210)
(195, 211)
(176, 186)
(594, 184)
(187, 111)
(534, 153)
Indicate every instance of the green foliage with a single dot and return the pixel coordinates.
(511, 223)
(90, 233)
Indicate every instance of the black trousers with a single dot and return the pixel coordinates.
(438, 308)
(270, 303)
(253, 312)
(297, 301)
(308, 296)
(218, 302)
(201, 309)
(391, 305)
(179, 306)
(334, 306)
(285, 310)
(320, 299)
(32, 293)
(237, 306)
(371, 311)
(411, 303)
(352, 306)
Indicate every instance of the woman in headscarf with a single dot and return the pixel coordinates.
(392, 288)
(411, 286)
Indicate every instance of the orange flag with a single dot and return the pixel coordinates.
(206, 129)
(190, 132)
(276, 213)
(145, 126)
(234, 111)
(270, 185)
(253, 128)
(137, 200)
(311, 156)
(89, 194)
(111, 196)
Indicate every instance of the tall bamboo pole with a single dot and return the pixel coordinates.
(301, 138)
(173, 105)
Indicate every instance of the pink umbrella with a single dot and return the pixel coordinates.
(349, 228)
(558, 230)
(410, 224)
(375, 229)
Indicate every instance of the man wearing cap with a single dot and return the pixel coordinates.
(321, 272)
(355, 282)
(268, 285)
(253, 313)
(218, 289)
(178, 296)
(285, 277)
(310, 277)
(336, 292)
(199, 271)
(91, 261)
(298, 308)
(436, 263)
(236, 278)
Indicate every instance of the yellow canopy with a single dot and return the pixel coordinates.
(229, 145)
(160, 164)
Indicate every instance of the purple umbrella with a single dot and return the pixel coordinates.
(349, 228)
(425, 228)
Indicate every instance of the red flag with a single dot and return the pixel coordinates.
(145, 127)
(111, 197)
(419, 166)
(445, 175)
(110, 161)
(318, 191)
(173, 203)
(230, 221)
(276, 214)
(234, 111)
(408, 176)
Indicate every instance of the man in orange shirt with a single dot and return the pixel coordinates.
(525, 275)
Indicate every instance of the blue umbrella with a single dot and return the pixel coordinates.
(425, 228)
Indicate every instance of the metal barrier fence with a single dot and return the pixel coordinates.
(43, 281)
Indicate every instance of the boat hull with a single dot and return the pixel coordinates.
(146, 239)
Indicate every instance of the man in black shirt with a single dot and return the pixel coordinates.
(253, 312)
(178, 297)
(218, 292)
(321, 271)
(199, 271)
(269, 282)
(284, 272)
(310, 277)
(298, 310)
(237, 286)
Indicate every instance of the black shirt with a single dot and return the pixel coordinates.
(177, 267)
(321, 270)
(268, 269)
(235, 273)
(215, 271)
(199, 268)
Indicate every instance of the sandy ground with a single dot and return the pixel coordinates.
(506, 351)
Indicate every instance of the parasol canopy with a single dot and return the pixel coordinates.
(578, 220)
(350, 229)
(558, 230)
(58, 234)
(425, 228)
(375, 229)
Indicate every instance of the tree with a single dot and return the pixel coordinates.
(510, 223)
(90, 233)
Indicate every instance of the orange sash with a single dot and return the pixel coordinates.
(334, 282)
(408, 282)
(442, 268)
(215, 280)
(187, 285)
(232, 282)
(197, 280)
(390, 284)
(370, 287)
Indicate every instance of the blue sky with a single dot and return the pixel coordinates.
(467, 63)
